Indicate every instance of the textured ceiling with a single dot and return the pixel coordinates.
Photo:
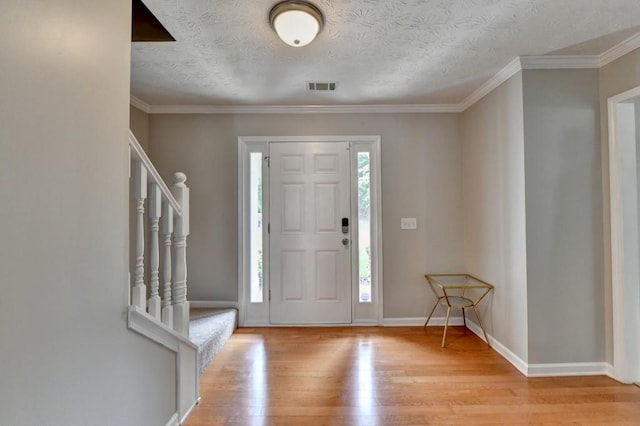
(379, 52)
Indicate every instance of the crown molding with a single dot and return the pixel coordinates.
(551, 62)
(140, 104)
(528, 62)
(560, 62)
(517, 64)
(498, 78)
(621, 49)
(303, 109)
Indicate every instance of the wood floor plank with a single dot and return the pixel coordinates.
(392, 376)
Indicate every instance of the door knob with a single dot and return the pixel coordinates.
(345, 241)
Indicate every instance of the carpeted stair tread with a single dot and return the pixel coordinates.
(195, 313)
(210, 329)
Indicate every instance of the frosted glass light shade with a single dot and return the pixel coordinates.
(297, 23)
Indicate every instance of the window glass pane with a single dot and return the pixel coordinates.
(255, 227)
(364, 227)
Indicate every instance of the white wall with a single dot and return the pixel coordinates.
(563, 187)
(66, 356)
(421, 157)
(617, 77)
(494, 210)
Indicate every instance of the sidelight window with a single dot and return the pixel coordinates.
(364, 227)
(256, 228)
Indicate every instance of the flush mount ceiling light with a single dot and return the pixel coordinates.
(297, 23)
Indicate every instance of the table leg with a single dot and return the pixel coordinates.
(481, 325)
(446, 324)
(432, 311)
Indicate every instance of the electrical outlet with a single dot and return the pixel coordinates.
(408, 223)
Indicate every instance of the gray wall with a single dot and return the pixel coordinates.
(567, 205)
(139, 125)
(421, 157)
(636, 106)
(494, 210)
(637, 110)
(67, 357)
(617, 77)
(563, 187)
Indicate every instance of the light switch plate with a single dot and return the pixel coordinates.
(408, 223)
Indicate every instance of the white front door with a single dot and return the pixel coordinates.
(310, 256)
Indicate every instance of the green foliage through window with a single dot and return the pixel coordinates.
(364, 197)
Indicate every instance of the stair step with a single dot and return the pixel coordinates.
(195, 313)
(210, 329)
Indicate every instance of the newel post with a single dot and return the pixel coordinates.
(179, 270)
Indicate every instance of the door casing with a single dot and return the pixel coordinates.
(257, 314)
(625, 273)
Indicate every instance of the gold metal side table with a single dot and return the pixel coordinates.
(454, 291)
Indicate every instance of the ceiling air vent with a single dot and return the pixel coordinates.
(317, 86)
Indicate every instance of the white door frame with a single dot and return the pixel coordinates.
(252, 314)
(625, 273)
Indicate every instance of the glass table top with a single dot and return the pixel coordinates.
(457, 280)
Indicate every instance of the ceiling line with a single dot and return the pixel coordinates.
(517, 64)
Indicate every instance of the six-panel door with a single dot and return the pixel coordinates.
(310, 261)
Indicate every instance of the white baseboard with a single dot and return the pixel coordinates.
(543, 370)
(254, 324)
(497, 346)
(174, 420)
(386, 322)
(568, 369)
(303, 325)
(610, 371)
(196, 402)
(419, 321)
(357, 323)
(231, 304)
(365, 323)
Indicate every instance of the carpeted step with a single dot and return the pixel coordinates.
(210, 329)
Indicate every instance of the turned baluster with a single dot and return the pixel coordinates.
(139, 290)
(179, 272)
(155, 210)
(167, 230)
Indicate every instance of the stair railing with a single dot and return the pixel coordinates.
(168, 215)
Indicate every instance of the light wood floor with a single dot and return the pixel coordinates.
(392, 376)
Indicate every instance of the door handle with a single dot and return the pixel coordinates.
(345, 242)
